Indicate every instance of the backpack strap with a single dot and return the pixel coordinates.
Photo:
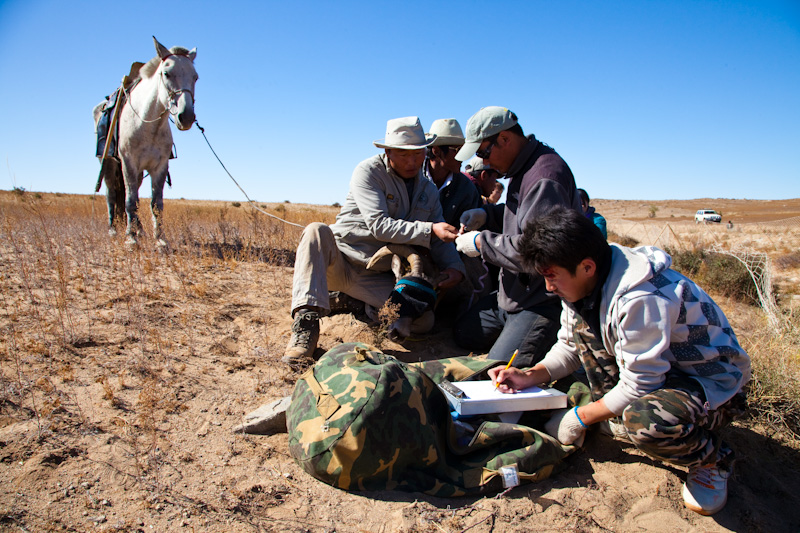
(326, 403)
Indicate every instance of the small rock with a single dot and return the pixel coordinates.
(268, 419)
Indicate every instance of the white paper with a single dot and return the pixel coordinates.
(485, 390)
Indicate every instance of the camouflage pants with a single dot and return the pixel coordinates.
(673, 423)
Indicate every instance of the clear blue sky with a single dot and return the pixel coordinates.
(643, 99)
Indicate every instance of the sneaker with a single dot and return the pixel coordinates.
(706, 489)
(305, 335)
(614, 429)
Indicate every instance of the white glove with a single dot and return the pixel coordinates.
(473, 219)
(466, 244)
(565, 426)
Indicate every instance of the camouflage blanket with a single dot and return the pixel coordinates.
(363, 420)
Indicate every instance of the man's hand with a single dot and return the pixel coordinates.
(514, 379)
(453, 278)
(444, 231)
(469, 244)
(566, 426)
(472, 219)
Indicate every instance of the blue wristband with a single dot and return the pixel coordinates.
(579, 418)
(475, 242)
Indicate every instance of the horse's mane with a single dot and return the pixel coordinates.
(151, 66)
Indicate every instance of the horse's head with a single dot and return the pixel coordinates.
(178, 77)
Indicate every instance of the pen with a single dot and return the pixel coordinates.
(508, 366)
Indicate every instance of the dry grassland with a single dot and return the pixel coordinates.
(124, 370)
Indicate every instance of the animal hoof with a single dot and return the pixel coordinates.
(162, 245)
(130, 240)
(112, 232)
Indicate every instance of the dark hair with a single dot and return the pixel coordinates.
(516, 129)
(562, 237)
(584, 195)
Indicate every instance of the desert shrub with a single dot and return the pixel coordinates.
(236, 204)
(788, 261)
(651, 212)
(624, 240)
(773, 394)
(717, 273)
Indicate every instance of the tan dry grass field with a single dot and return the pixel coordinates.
(124, 371)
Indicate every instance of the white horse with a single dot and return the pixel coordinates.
(165, 87)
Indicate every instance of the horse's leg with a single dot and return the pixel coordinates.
(133, 179)
(115, 195)
(157, 204)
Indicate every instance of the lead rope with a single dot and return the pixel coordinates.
(203, 131)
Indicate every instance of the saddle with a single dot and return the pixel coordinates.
(108, 125)
(111, 107)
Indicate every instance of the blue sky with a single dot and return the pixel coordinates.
(643, 99)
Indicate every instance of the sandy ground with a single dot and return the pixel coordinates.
(126, 425)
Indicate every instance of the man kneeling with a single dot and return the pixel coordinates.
(664, 366)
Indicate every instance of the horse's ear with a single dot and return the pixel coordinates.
(193, 53)
(162, 51)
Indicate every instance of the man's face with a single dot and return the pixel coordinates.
(568, 286)
(444, 157)
(406, 162)
(500, 155)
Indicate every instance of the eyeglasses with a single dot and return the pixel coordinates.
(485, 153)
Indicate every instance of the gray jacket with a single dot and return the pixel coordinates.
(378, 211)
(539, 180)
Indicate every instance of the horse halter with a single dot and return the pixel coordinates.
(172, 95)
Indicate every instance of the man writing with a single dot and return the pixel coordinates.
(663, 364)
(389, 202)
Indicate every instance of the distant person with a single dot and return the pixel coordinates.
(521, 314)
(663, 364)
(456, 193)
(592, 214)
(497, 193)
(729, 225)
(389, 202)
(483, 177)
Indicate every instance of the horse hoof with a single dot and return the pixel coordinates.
(162, 245)
(112, 232)
(130, 240)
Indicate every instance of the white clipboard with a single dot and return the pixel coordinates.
(482, 397)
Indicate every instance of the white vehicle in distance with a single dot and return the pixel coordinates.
(706, 216)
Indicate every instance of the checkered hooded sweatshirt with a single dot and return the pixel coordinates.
(655, 321)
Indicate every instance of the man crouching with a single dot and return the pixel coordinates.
(664, 366)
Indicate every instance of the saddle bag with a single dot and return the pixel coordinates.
(363, 420)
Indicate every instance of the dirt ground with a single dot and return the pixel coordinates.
(128, 425)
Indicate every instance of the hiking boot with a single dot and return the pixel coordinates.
(343, 303)
(305, 335)
(706, 489)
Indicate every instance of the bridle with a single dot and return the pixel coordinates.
(171, 95)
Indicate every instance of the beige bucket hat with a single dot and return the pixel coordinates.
(447, 132)
(404, 133)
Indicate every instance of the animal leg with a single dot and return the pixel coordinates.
(133, 179)
(115, 195)
(157, 206)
